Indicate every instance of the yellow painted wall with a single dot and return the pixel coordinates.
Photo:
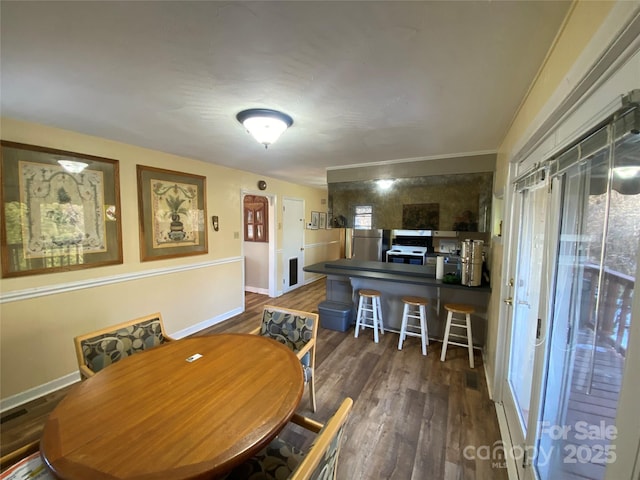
(582, 22)
(36, 334)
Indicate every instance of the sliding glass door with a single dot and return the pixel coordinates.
(595, 269)
(577, 243)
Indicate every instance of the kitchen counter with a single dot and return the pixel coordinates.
(394, 280)
(395, 272)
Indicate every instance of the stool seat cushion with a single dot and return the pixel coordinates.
(415, 300)
(459, 308)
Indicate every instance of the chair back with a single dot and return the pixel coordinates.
(294, 328)
(321, 461)
(97, 350)
(24, 462)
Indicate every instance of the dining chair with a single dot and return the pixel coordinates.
(24, 462)
(96, 350)
(280, 460)
(298, 331)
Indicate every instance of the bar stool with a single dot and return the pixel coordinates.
(453, 322)
(369, 303)
(414, 307)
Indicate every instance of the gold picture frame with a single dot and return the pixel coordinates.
(172, 213)
(60, 210)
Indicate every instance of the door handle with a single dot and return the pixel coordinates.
(508, 301)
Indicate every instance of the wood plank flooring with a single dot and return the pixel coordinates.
(414, 417)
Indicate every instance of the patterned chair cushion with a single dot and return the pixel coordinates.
(292, 330)
(279, 460)
(103, 350)
(274, 462)
(326, 469)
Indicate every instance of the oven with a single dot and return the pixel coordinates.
(410, 246)
(413, 255)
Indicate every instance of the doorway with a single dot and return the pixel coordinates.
(258, 247)
(292, 243)
(572, 319)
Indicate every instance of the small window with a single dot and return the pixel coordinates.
(256, 222)
(363, 217)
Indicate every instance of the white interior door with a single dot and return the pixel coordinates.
(292, 243)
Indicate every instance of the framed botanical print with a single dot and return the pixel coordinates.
(172, 213)
(60, 210)
(322, 220)
(315, 219)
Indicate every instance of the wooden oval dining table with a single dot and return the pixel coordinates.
(189, 409)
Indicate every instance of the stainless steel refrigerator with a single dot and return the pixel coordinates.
(365, 244)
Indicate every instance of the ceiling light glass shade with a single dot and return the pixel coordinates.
(72, 166)
(265, 125)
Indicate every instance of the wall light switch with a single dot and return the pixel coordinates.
(236, 235)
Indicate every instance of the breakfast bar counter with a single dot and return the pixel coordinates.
(346, 276)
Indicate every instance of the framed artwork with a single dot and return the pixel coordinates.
(60, 210)
(315, 219)
(322, 220)
(421, 216)
(172, 213)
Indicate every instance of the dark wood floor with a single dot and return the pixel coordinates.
(414, 417)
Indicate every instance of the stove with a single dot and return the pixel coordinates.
(412, 254)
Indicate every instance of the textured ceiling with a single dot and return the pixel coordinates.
(364, 81)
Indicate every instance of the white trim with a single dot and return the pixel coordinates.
(320, 244)
(261, 291)
(313, 278)
(206, 323)
(486, 374)
(512, 470)
(40, 391)
(414, 159)
(29, 293)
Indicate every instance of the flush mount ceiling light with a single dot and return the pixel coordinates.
(265, 125)
(384, 184)
(72, 166)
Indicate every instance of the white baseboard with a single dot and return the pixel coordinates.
(261, 291)
(486, 375)
(71, 378)
(512, 470)
(206, 323)
(314, 278)
(40, 391)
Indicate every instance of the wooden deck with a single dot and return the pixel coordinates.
(594, 399)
